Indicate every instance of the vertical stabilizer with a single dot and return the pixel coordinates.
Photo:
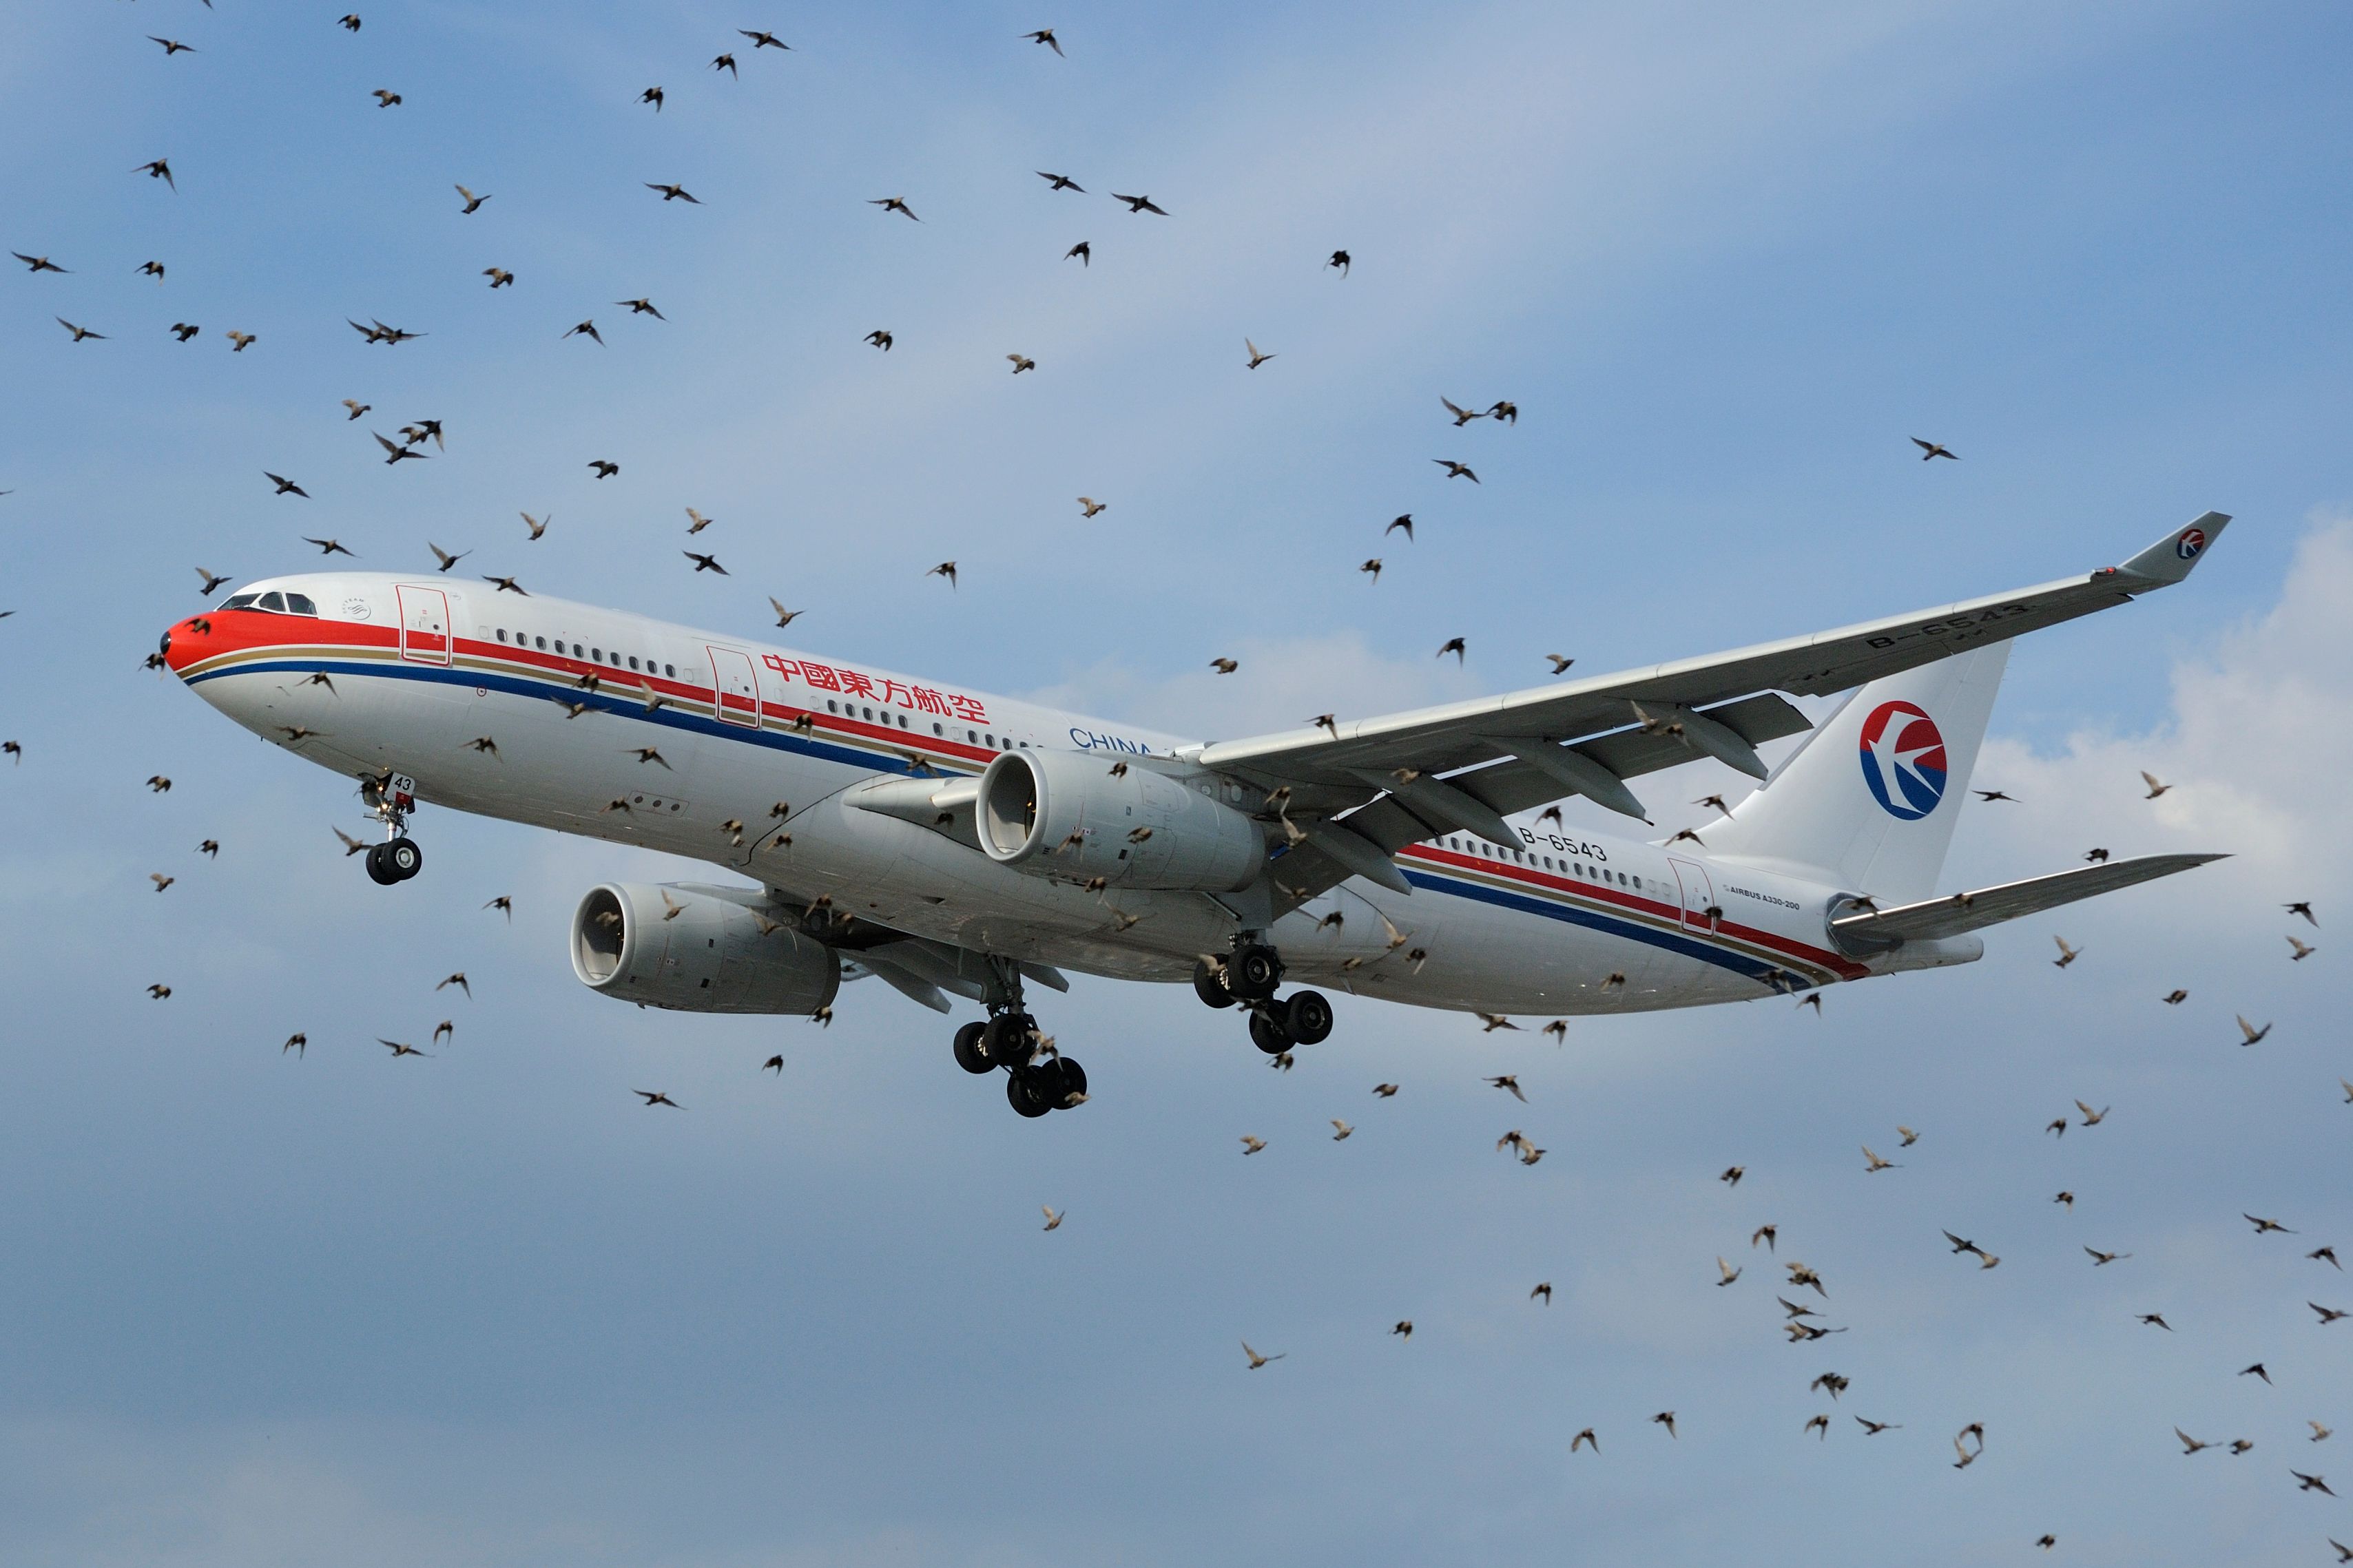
(1869, 801)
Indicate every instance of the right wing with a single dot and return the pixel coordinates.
(1464, 766)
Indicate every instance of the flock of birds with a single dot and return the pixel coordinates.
(1802, 1322)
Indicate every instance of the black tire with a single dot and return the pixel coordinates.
(1267, 1033)
(404, 858)
(1023, 1096)
(1209, 985)
(971, 1054)
(1307, 1017)
(1252, 973)
(1008, 1041)
(1071, 1080)
(378, 872)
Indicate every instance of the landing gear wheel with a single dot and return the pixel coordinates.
(1023, 1096)
(1267, 1033)
(970, 1054)
(1209, 985)
(1074, 1083)
(1253, 972)
(378, 872)
(1307, 1017)
(403, 858)
(1009, 1041)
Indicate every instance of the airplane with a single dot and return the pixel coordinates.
(953, 843)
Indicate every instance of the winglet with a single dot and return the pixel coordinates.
(2171, 558)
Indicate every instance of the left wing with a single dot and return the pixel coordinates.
(1464, 766)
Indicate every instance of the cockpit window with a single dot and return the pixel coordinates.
(238, 600)
(299, 603)
(272, 601)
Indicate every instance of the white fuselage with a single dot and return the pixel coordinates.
(422, 668)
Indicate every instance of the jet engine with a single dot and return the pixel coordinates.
(697, 950)
(1066, 815)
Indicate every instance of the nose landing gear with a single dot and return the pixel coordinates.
(1010, 1040)
(392, 797)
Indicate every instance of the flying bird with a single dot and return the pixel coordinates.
(2252, 1034)
(652, 1099)
(41, 263)
(669, 193)
(1257, 357)
(1084, 251)
(79, 332)
(2301, 909)
(602, 468)
(586, 329)
(331, 547)
(947, 569)
(652, 95)
(2302, 950)
(879, 339)
(171, 46)
(1929, 450)
(286, 486)
(2156, 788)
(1341, 260)
(1140, 204)
(1258, 1361)
(1061, 182)
(894, 205)
(1455, 646)
(763, 40)
(724, 63)
(1089, 506)
(1224, 666)
(1405, 521)
(1455, 471)
(161, 169)
(444, 557)
(1046, 35)
(1022, 362)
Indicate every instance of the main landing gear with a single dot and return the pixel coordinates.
(1249, 975)
(397, 858)
(1009, 1039)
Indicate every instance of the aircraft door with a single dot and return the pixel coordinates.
(736, 687)
(424, 624)
(1699, 894)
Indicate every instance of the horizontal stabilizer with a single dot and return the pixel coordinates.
(1991, 906)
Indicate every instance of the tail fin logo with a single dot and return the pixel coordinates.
(1904, 760)
(2191, 541)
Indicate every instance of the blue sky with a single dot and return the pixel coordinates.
(482, 1309)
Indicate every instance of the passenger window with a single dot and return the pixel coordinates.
(830, 706)
(301, 605)
(575, 650)
(902, 720)
(238, 600)
(670, 670)
(971, 739)
(271, 601)
(633, 661)
(539, 642)
(937, 730)
(988, 739)
(503, 633)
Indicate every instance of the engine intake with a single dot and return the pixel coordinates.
(1064, 815)
(696, 949)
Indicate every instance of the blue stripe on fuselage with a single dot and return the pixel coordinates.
(545, 691)
(1773, 975)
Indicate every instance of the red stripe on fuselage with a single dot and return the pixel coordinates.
(1626, 898)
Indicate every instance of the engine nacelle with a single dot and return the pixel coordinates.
(709, 956)
(1064, 815)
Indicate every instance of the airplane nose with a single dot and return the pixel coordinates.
(185, 643)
